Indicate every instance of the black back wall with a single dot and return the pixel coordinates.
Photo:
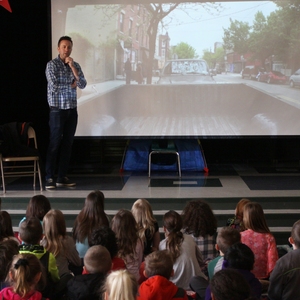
(24, 52)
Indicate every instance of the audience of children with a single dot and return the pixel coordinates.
(8, 249)
(285, 277)
(131, 247)
(133, 236)
(6, 230)
(187, 258)
(226, 237)
(258, 238)
(120, 285)
(200, 222)
(24, 275)
(146, 224)
(105, 236)
(237, 221)
(90, 217)
(97, 263)
(56, 241)
(158, 270)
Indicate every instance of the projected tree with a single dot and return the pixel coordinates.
(157, 13)
(184, 50)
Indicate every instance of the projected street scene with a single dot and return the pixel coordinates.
(123, 46)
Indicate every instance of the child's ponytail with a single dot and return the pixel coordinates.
(25, 273)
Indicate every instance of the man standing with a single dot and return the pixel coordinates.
(128, 70)
(64, 75)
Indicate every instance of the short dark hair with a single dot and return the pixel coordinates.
(64, 38)
(239, 256)
(31, 231)
(226, 237)
(106, 237)
(159, 263)
(229, 284)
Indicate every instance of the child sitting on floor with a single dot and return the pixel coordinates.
(285, 277)
(31, 233)
(158, 270)
(24, 275)
(97, 263)
(227, 236)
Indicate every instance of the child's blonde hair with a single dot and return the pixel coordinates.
(54, 225)
(25, 272)
(121, 285)
(142, 212)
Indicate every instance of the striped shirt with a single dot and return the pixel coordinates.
(60, 77)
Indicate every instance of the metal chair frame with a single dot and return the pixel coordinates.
(16, 170)
(164, 151)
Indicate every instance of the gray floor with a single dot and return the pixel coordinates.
(222, 181)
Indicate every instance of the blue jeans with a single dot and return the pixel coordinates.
(62, 125)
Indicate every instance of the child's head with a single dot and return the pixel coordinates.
(240, 208)
(226, 237)
(54, 225)
(25, 273)
(124, 223)
(90, 217)
(94, 202)
(229, 284)
(8, 249)
(199, 219)
(31, 231)
(105, 236)
(295, 235)
(97, 260)
(142, 212)
(125, 228)
(159, 263)
(254, 218)
(5, 225)
(172, 222)
(239, 256)
(120, 285)
(37, 207)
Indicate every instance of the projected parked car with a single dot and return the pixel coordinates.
(272, 77)
(185, 71)
(295, 79)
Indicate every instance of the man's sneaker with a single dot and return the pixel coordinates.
(50, 184)
(64, 182)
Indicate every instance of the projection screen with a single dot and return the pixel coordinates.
(235, 92)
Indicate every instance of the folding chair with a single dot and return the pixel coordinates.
(12, 166)
(166, 147)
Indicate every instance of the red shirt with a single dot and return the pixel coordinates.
(264, 248)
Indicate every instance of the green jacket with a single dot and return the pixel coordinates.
(39, 251)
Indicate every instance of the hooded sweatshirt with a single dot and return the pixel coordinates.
(160, 288)
(9, 294)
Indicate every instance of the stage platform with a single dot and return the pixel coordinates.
(276, 187)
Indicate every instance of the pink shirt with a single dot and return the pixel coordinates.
(265, 252)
